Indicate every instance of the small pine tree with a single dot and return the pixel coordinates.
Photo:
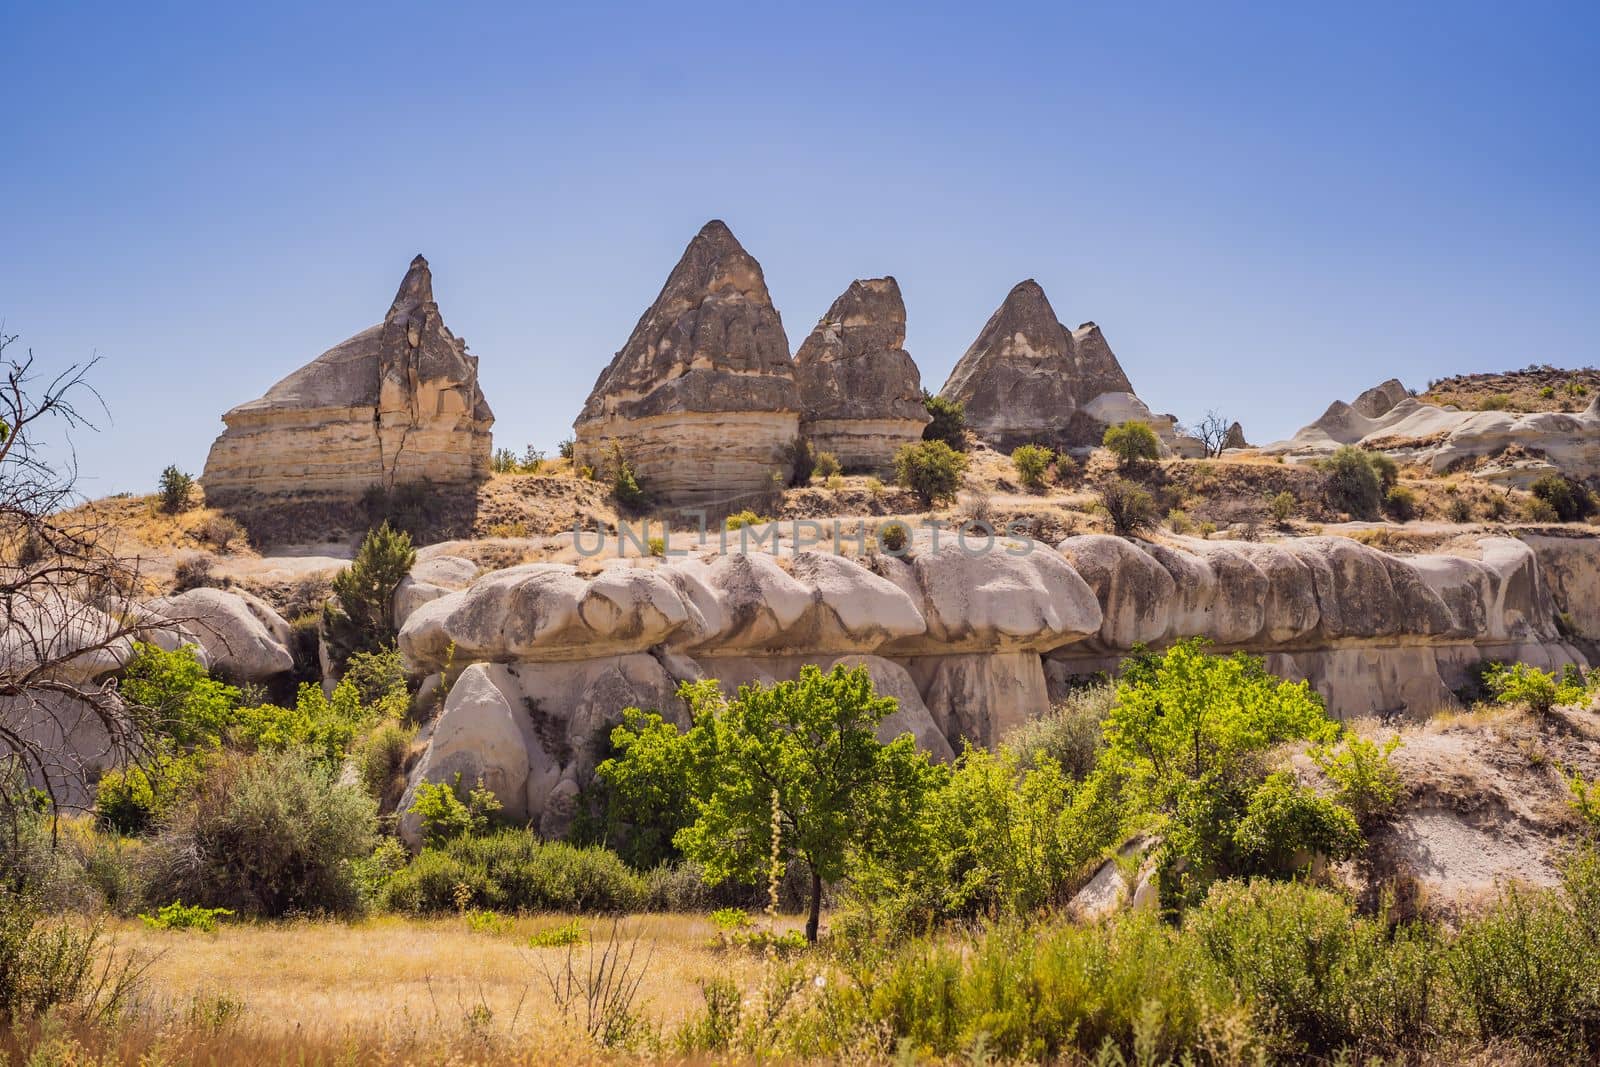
(361, 618)
(175, 489)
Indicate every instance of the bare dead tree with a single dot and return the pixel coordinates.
(68, 614)
(1213, 433)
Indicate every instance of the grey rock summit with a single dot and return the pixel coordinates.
(702, 398)
(860, 392)
(1027, 377)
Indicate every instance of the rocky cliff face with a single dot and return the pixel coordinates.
(397, 402)
(1027, 377)
(702, 397)
(860, 393)
(972, 644)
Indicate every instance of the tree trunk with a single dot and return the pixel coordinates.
(814, 920)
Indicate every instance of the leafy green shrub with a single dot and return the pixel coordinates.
(181, 916)
(1317, 977)
(1353, 482)
(175, 489)
(570, 932)
(1570, 500)
(1364, 778)
(1494, 402)
(1133, 443)
(949, 421)
(1286, 825)
(1527, 971)
(1535, 509)
(740, 519)
(1129, 507)
(646, 792)
(565, 448)
(445, 815)
(512, 870)
(173, 696)
(827, 465)
(1282, 506)
(134, 799)
(265, 835)
(1179, 522)
(931, 469)
(1188, 732)
(323, 727)
(1520, 684)
(1031, 463)
(1459, 510)
(730, 918)
(360, 618)
(894, 536)
(1072, 734)
(57, 963)
(1400, 504)
(1066, 467)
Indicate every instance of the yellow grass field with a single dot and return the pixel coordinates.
(391, 980)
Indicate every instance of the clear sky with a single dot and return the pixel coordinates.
(1265, 207)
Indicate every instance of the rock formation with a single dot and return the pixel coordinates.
(1387, 418)
(971, 643)
(1029, 379)
(860, 393)
(397, 402)
(702, 398)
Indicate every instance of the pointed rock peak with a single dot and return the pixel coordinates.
(717, 232)
(1381, 398)
(416, 289)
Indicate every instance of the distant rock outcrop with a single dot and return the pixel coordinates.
(702, 398)
(1029, 379)
(1388, 419)
(398, 402)
(860, 393)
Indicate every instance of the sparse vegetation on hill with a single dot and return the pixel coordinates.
(1534, 388)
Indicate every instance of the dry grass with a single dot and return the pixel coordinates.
(1522, 390)
(389, 979)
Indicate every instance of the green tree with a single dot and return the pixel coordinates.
(1133, 443)
(361, 618)
(1569, 498)
(1354, 482)
(809, 751)
(931, 469)
(1128, 507)
(948, 421)
(1189, 733)
(647, 788)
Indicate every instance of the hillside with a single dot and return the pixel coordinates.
(1542, 388)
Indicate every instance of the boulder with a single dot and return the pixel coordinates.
(860, 393)
(398, 402)
(244, 639)
(72, 731)
(982, 696)
(1135, 592)
(890, 679)
(545, 611)
(1026, 376)
(64, 638)
(1009, 596)
(1380, 399)
(478, 736)
(702, 398)
(429, 580)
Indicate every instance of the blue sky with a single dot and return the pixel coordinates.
(1264, 208)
